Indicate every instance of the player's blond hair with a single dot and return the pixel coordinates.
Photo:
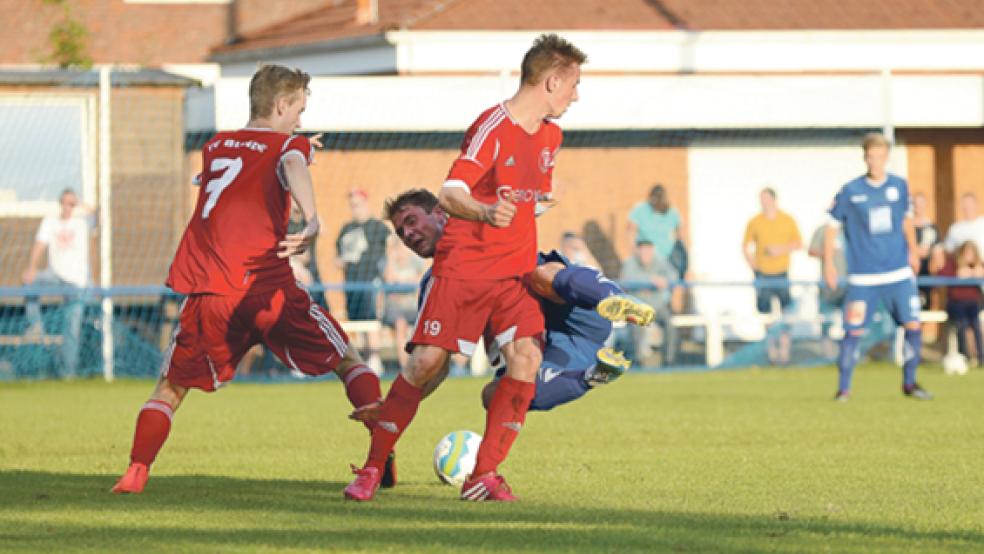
(874, 139)
(548, 52)
(269, 83)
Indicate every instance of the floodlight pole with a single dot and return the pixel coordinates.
(105, 219)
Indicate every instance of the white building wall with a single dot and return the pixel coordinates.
(360, 61)
(709, 51)
(641, 102)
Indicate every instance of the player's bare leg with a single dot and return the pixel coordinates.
(395, 414)
(363, 391)
(505, 417)
(153, 427)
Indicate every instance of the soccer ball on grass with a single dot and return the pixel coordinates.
(455, 456)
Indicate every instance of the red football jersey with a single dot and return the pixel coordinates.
(230, 245)
(498, 160)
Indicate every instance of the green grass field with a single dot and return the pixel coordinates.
(741, 461)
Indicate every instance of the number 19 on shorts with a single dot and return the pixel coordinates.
(432, 327)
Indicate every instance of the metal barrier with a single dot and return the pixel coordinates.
(143, 318)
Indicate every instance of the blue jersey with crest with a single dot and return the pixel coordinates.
(872, 219)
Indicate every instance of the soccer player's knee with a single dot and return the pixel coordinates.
(541, 279)
(169, 392)
(913, 326)
(487, 391)
(424, 366)
(525, 361)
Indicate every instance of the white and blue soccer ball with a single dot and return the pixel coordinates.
(455, 456)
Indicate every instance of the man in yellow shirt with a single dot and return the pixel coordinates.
(770, 238)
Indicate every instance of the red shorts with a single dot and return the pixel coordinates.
(214, 333)
(454, 313)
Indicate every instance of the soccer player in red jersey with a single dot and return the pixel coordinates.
(232, 263)
(488, 245)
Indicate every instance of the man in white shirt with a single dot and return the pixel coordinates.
(970, 226)
(66, 239)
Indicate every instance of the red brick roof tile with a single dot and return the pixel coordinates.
(337, 19)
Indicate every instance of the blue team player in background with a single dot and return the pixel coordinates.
(874, 211)
(579, 305)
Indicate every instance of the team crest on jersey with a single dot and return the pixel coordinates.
(891, 194)
(546, 160)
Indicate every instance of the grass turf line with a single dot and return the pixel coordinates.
(746, 461)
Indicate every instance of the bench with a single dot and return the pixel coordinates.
(714, 329)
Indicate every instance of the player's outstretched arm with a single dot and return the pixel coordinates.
(458, 202)
(302, 189)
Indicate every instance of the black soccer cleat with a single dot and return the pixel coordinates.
(916, 392)
(388, 480)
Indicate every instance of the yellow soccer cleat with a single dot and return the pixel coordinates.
(622, 307)
(611, 365)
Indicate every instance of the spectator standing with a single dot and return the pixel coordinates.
(656, 221)
(770, 237)
(927, 236)
(963, 303)
(66, 239)
(970, 226)
(403, 267)
(831, 300)
(646, 266)
(361, 248)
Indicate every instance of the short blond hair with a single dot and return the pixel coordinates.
(270, 82)
(874, 139)
(548, 52)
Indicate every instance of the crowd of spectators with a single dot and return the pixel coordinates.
(369, 256)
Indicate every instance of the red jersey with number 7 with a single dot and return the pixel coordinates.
(230, 245)
(498, 160)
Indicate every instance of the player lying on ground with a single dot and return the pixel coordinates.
(232, 263)
(579, 305)
(504, 167)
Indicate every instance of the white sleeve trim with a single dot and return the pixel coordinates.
(293, 152)
(281, 175)
(456, 184)
(472, 160)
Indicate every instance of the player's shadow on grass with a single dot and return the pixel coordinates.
(86, 515)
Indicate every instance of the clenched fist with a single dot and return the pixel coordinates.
(500, 214)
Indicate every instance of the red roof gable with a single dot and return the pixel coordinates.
(338, 19)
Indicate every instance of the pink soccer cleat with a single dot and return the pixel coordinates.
(489, 486)
(364, 487)
(133, 480)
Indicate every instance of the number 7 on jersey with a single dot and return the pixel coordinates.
(214, 188)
